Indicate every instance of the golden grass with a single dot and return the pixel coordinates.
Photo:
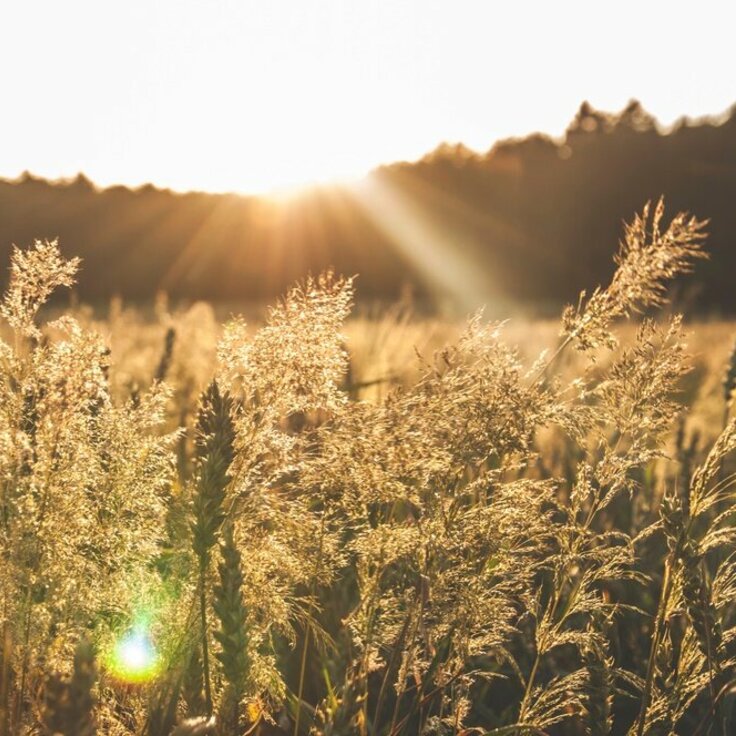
(380, 525)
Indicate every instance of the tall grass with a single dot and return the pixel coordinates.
(495, 545)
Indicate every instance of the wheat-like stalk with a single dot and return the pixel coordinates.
(215, 439)
(232, 633)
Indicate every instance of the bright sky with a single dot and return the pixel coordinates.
(236, 95)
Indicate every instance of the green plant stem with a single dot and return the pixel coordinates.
(205, 643)
(656, 638)
(538, 657)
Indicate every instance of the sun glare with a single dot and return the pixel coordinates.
(134, 658)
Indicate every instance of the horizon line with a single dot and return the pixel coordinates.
(713, 119)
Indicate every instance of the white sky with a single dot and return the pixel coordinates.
(229, 95)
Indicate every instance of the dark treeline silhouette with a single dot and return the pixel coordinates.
(533, 219)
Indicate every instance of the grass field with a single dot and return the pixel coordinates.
(383, 524)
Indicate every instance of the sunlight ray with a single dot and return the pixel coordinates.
(431, 248)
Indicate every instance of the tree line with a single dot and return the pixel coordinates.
(535, 218)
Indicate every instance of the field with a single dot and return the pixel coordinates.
(337, 521)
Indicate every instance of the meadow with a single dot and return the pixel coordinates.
(335, 521)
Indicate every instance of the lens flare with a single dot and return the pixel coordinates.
(134, 658)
